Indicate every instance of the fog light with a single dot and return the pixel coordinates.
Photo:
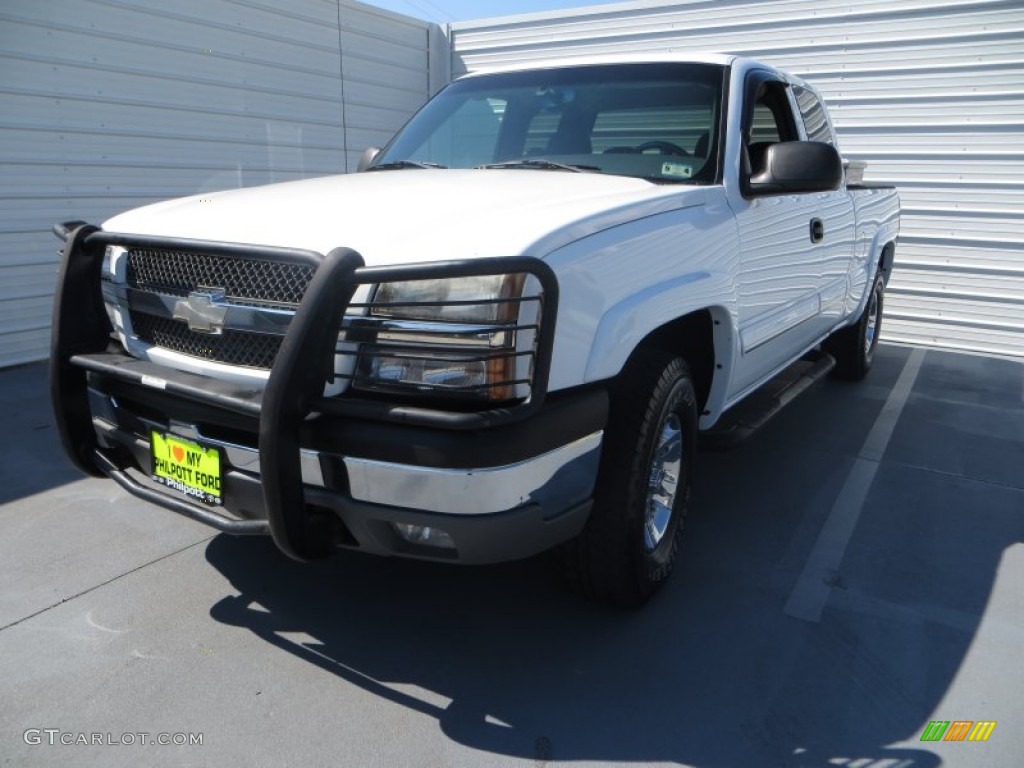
(424, 535)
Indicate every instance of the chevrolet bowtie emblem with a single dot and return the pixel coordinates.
(203, 311)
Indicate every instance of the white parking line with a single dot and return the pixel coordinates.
(812, 589)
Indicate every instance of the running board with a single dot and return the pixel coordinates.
(757, 409)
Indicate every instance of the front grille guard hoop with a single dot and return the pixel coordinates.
(300, 372)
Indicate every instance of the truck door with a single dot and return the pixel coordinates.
(838, 227)
(780, 255)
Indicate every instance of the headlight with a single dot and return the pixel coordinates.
(466, 337)
(481, 299)
(113, 263)
(112, 270)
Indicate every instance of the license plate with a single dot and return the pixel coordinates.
(186, 466)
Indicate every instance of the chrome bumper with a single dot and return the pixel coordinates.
(558, 479)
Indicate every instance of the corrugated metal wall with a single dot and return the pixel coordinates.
(929, 92)
(109, 104)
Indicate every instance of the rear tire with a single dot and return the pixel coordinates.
(628, 548)
(854, 347)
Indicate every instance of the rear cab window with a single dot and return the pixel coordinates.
(814, 116)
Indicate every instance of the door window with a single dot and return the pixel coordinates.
(770, 122)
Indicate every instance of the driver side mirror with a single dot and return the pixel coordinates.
(797, 166)
(369, 155)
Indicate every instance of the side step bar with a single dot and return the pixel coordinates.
(757, 409)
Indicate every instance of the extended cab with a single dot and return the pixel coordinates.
(504, 334)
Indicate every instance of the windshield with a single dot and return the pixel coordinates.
(653, 121)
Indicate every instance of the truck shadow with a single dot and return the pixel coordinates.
(710, 673)
(34, 461)
(509, 665)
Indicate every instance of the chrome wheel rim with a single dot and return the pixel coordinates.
(871, 331)
(663, 481)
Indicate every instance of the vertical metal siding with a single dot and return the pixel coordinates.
(106, 105)
(929, 92)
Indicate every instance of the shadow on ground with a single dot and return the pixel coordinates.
(712, 672)
(34, 461)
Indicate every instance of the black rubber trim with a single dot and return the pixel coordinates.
(869, 185)
(64, 229)
(160, 406)
(885, 265)
(479, 539)
(202, 389)
(236, 250)
(565, 417)
(303, 365)
(79, 326)
(182, 507)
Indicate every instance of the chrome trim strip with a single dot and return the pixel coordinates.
(267, 320)
(555, 480)
(390, 330)
(237, 317)
(427, 326)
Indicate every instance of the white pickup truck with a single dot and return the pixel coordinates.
(502, 335)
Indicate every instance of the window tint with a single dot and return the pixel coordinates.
(772, 118)
(469, 132)
(813, 113)
(682, 125)
(771, 121)
(540, 133)
(659, 122)
(764, 128)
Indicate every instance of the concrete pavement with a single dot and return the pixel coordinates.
(118, 619)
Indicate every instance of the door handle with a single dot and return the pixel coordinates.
(817, 230)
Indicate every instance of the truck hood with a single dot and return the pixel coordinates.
(409, 216)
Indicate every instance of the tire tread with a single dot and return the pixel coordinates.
(600, 563)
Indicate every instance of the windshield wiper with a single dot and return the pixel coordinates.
(396, 165)
(542, 164)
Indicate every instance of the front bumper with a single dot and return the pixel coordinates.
(324, 473)
(490, 513)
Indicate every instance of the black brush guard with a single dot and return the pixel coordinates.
(81, 343)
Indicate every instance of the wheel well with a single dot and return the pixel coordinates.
(885, 260)
(691, 336)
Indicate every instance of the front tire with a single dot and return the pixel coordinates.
(628, 549)
(854, 347)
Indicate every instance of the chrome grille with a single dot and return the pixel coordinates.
(249, 350)
(245, 281)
